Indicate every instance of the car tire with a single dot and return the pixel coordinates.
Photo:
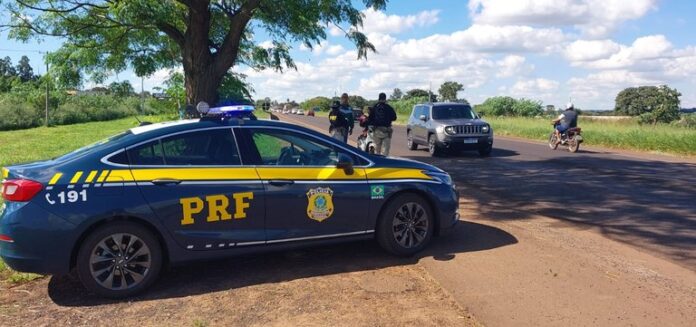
(486, 151)
(434, 150)
(115, 272)
(406, 225)
(409, 141)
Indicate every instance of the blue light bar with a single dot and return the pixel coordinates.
(231, 109)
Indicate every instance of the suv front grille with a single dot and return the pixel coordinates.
(468, 129)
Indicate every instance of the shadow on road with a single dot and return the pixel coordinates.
(647, 204)
(205, 277)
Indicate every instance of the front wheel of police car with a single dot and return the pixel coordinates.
(405, 225)
(119, 260)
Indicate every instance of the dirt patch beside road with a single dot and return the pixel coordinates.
(347, 285)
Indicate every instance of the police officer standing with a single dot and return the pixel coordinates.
(341, 119)
(379, 125)
(338, 123)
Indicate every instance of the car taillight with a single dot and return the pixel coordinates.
(20, 190)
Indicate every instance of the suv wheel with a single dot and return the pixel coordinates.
(409, 141)
(405, 225)
(119, 260)
(432, 146)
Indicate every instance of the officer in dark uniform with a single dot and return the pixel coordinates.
(379, 125)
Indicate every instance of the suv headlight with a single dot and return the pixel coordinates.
(441, 177)
(449, 130)
(485, 129)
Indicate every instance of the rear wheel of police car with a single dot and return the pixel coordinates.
(405, 225)
(119, 260)
(409, 141)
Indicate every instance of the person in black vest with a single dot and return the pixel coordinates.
(338, 121)
(379, 125)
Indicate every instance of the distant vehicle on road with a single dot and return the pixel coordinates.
(310, 112)
(448, 127)
(300, 112)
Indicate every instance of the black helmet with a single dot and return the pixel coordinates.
(336, 105)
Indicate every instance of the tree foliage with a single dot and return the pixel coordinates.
(419, 93)
(121, 89)
(396, 94)
(206, 37)
(448, 90)
(508, 106)
(653, 104)
(321, 103)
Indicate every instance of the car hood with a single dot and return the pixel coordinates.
(459, 121)
(399, 162)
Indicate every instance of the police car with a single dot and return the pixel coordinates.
(170, 193)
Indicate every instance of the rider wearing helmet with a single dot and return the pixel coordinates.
(568, 119)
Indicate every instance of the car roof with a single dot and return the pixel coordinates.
(155, 129)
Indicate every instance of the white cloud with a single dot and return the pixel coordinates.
(335, 49)
(583, 50)
(513, 65)
(534, 88)
(379, 22)
(595, 18)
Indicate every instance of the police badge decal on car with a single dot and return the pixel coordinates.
(320, 203)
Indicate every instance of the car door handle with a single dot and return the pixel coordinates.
(165, 181)
(281, 182)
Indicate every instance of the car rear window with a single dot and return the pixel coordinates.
(453, 112)
(203, 148)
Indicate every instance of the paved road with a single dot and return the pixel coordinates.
(620, 228)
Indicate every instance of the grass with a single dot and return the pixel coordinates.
(626, 134)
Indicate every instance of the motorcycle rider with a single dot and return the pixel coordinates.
(568, 119)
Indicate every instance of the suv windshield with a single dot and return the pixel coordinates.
(453, 112)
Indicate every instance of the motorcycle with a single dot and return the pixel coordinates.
(570, 138)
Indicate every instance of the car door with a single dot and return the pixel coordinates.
(195, 184)
(307, 195)
(421, 131)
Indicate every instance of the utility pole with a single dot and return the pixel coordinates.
(142, 93)
(48, 78)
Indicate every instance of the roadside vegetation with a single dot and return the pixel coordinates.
(627, 134)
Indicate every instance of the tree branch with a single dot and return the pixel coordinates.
(225, 58)
(172, 32)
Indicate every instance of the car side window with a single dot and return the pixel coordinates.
(277, 147)
(202, 148)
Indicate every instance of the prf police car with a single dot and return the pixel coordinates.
(170, 193)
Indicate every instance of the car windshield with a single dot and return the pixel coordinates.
(453, 112)
(87, 148)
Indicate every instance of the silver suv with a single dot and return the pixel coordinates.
(448, 126)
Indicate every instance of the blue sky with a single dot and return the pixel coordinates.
(548, 50)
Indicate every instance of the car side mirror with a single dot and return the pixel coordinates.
(345, 162)
(423, 118)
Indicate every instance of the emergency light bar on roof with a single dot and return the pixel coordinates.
(230, 109)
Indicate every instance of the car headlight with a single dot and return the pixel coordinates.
(485, 129)
(441, 177)
(449, 129)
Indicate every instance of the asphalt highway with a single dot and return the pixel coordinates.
(620, 226)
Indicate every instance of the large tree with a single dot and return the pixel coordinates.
(207, 38)
(448, 90)
(24, 70)
(652, 104)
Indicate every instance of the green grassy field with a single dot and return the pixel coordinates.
(619, 135)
